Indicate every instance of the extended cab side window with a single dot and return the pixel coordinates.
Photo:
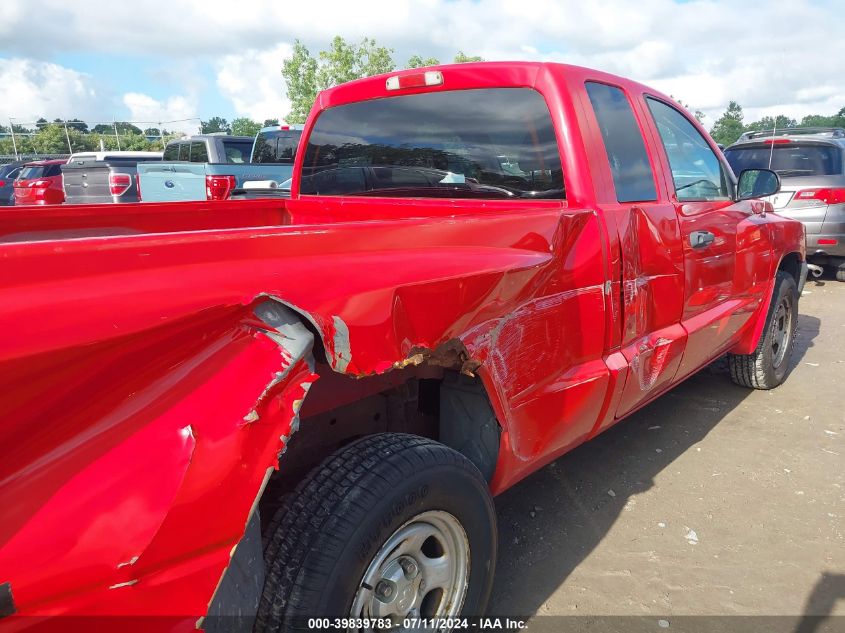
(697, 172)
(171, 152)
(199, 152)
(633, 176)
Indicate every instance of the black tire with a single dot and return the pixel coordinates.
(767, 366)
(345, 510)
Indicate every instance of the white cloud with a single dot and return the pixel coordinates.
(786, 55)
(32, 89)
(253, 82)
(177, 113)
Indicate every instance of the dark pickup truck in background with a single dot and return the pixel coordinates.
(98, 177)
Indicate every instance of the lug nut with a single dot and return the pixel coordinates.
(384, 590)
(409, 566)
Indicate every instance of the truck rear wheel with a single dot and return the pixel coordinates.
(766, 367)
(391, 526)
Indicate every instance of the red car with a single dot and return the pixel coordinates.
(300, 407)
(40, 182)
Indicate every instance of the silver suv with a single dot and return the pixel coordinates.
(811, 164)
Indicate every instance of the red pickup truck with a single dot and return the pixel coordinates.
(299, 408)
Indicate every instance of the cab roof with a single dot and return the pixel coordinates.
(508, 74)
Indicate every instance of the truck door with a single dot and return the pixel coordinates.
(648, 282)
(715, 295)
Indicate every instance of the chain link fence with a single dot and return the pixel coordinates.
(5, 159)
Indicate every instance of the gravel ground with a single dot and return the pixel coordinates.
(714, 500)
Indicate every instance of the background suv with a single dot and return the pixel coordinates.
(8, 173)
(40, 182)
(811, 165)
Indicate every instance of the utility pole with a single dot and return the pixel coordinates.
(161, 134)
(67, 136)
(116, 137)
(14, 143)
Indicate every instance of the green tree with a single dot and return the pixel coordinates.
(818, 120)
(215, 124)
(305, 75)
(373, 60)
(78, 124)
(244, 126)
(53, 139)
(344, 61)
(122, 128)
(780, 122)
(462, 58)
(417, 61)
(728, 127)
(269, 122)
(300, 75)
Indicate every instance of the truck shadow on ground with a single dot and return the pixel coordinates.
(550, 522)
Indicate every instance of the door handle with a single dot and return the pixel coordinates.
(700, 239)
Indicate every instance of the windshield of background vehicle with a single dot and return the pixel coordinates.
(486, 143)
(788, 159)
(276, 146)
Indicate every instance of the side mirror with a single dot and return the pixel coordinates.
(757, 183)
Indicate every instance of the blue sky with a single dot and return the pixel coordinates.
(175, 59)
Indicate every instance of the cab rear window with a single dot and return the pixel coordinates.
(39, 171)
(278, 146)
(788, 159)
(485, 143)
(236, 151)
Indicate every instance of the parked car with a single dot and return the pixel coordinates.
(811, 164)
(480, 267)
(8, 173)
(272, 155)
(104, 177)
(40, 182)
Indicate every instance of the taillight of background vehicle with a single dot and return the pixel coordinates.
(219, 187)
(119, 184)
(39, 189)
(827, 195)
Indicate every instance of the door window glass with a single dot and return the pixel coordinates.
(696, 170)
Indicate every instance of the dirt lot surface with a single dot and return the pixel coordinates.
(713, 500)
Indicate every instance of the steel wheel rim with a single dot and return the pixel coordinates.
(781, 332)
(422, 570)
